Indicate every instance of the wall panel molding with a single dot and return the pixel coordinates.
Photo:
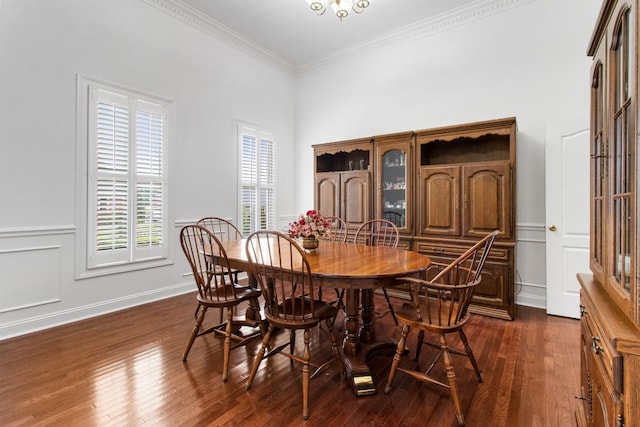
(530, 255)
(30, 277)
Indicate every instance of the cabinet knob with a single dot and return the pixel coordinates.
(552, 227)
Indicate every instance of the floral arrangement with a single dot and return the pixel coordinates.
(311, 224)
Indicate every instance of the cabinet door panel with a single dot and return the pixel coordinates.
(439, 200)
(356, 197)
(492, 290)
(487, 199)
(328, 193)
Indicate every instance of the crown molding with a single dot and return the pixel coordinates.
(220, 32)
(443, 22)
(427, 27)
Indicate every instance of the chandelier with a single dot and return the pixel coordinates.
(340, 7)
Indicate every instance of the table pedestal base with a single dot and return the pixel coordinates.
(359, 343)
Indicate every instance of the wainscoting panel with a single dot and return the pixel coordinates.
(30, 277)
(531, 289)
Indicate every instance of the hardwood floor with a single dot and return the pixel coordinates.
(125, 368)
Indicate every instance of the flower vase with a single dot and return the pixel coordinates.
(310, 243)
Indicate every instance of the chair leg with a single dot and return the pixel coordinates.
(227, 345)
(451, 377)
(339, 300)
(259, 356)
(335, 349)
(292, 344)
(391, 310)
(306, 356)
(254, 306)
(467, 348)
(397, 357)
(419, 345)
(194, 332)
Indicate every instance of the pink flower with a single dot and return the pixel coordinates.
(312, 223)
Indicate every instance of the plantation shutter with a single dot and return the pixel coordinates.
(257, 193)
(149, 230)
(126, 179)
(267, 208)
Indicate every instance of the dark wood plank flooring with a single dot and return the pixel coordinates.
(125, 368)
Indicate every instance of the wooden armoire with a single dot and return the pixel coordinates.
(444, 188)
(610, 294)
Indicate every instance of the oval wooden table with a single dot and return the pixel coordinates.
(358, 269)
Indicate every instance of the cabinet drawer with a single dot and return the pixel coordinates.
(438, 249)
(603, 352)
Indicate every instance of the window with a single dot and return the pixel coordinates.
(257, 187)
(126, 171)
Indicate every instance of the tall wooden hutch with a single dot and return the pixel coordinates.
(444, 188)
(610, 295)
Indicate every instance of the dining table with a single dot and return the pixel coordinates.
(359, 270)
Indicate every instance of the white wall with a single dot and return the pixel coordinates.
(44, 45)
(527, 61)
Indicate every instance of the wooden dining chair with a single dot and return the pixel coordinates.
(379, 232)
(440, 306)
(338, 232)
(282, 270)
(216, 289)
(395, 217)
(338, 229)
(224, 230)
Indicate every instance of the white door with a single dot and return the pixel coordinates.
(567, 216)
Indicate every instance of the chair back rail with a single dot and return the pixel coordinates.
(223, 229)
(444, 299)
(209, 264)
(338, 229)
(378, 232)
(282, 271)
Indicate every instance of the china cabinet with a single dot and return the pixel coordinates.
(444, 188)
(609, 295)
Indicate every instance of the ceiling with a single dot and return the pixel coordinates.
(292, 32)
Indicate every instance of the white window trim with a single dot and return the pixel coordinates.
(240, 128)
(84, 216)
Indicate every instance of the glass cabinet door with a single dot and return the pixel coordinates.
(598, 169)
(622, 161)
(394, 186)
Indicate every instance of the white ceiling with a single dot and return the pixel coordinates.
(289, 30)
